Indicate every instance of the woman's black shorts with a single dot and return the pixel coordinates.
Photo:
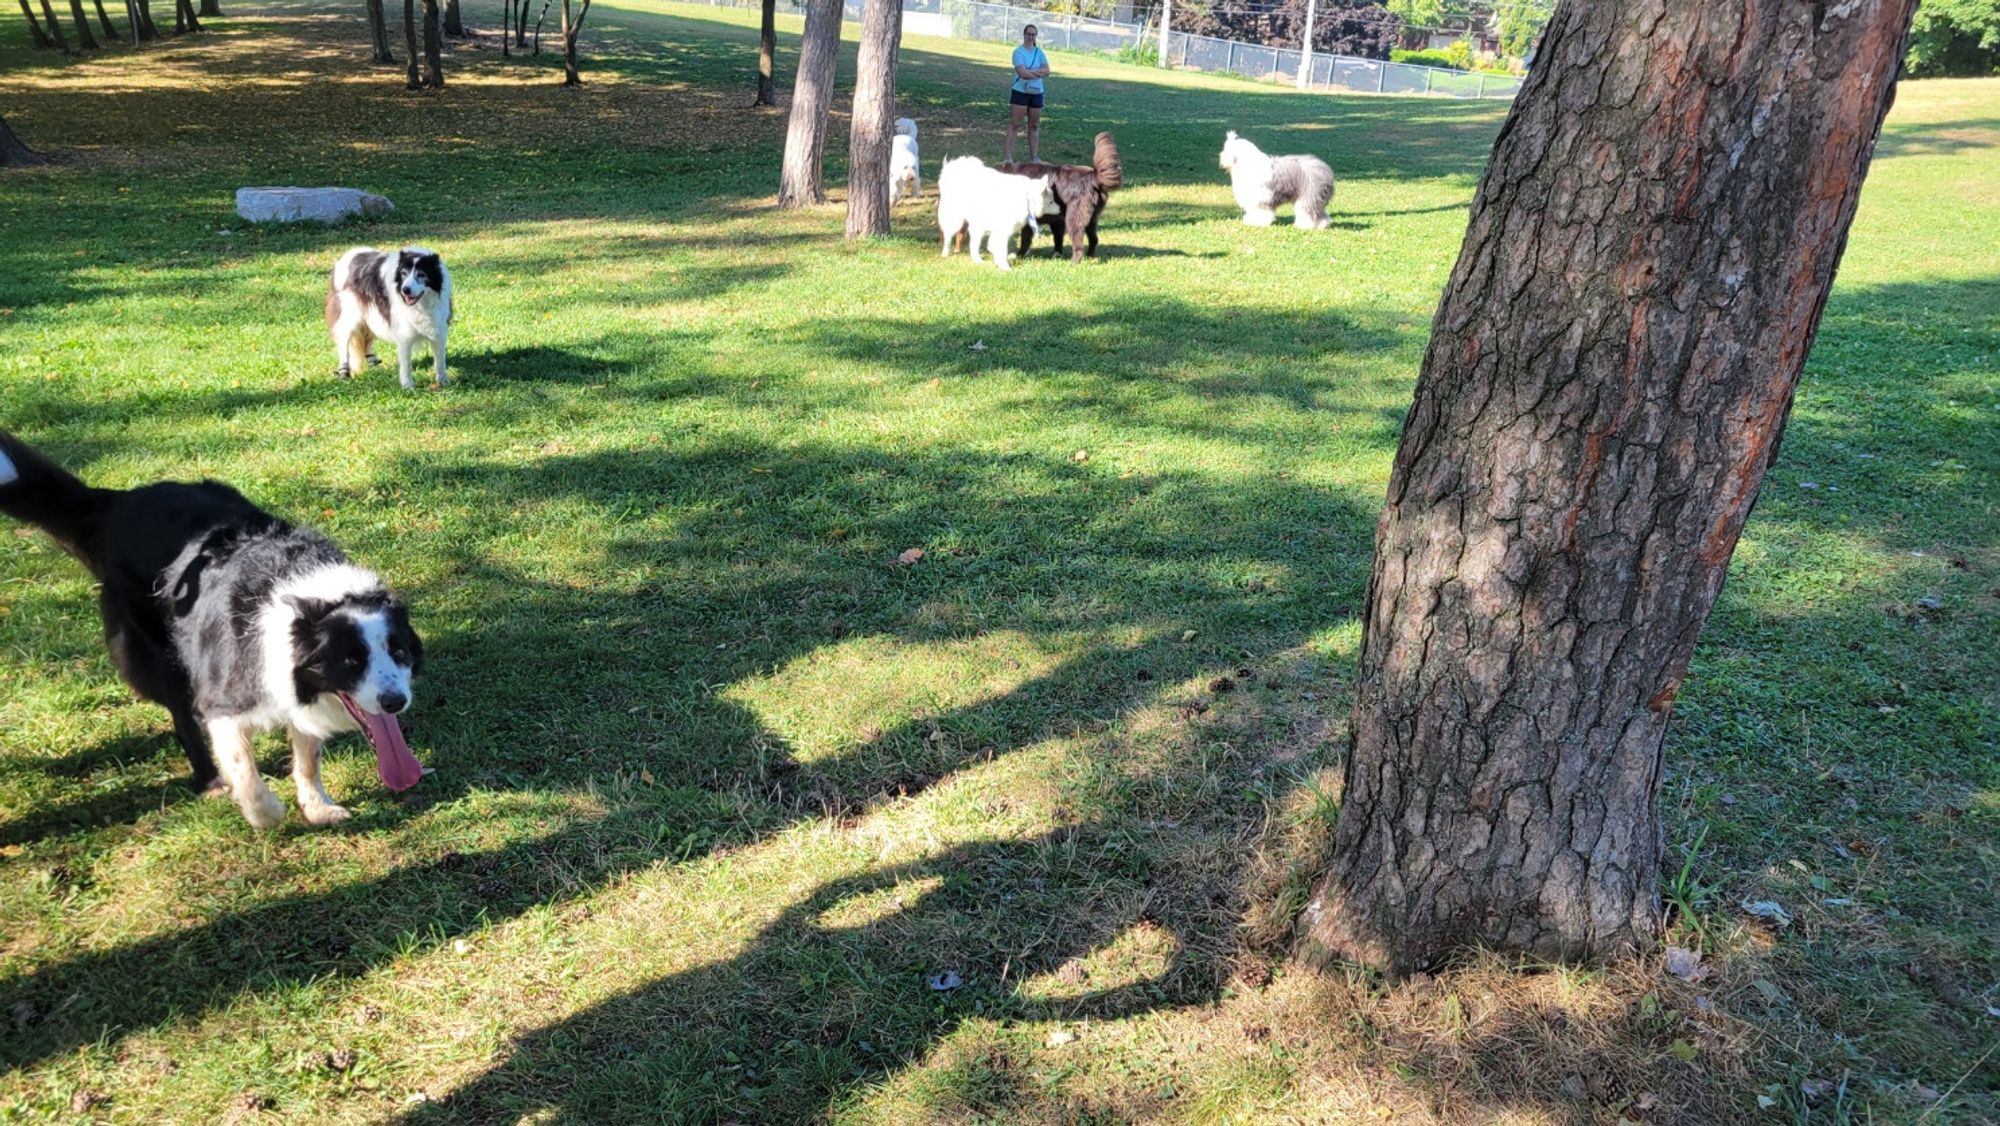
(1023, 98)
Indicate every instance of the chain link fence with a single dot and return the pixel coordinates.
(1001, 23)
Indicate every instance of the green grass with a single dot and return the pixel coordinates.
(720, 785)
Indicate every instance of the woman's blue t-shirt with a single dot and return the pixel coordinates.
(1030, 58)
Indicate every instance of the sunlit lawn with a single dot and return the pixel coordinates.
(721, 785)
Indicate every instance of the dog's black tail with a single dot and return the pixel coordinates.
(1110, 170)
(40, 492)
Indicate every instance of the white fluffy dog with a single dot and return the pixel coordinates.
(400, 296)
(905, 181)
(1263, 182)
(990, 204)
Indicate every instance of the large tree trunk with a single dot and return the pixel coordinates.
(184, 17)
(83, 36)
(148, 30)
(104, 22)
(14, 153)
(873, 118)
(1609, 373)
(413, 80)
(211, 7)
(812, 94)
(454, 20)
(433, 47)
(53, 27)
(767, 56)
(378, 32)
(35, 32)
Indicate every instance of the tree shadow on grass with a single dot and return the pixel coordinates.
(540, 687)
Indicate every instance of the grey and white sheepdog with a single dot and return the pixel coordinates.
(1262, 182)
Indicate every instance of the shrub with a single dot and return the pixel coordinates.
(1955, 37)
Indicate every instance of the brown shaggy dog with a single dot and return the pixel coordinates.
(1080, 191)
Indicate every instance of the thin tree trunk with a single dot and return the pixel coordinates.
(211, 7)
(433, 47)
(184, 17)
(812, 94)
(454, 20)
(35, 31)
(570, 30)
(539, 21)
(873, 118)
(104, 23)
(414, 80)
(1608, 376)
(53, 27)
(378, 32)
(767, 56)
(14, 152)
(84, 38)
(148, 30)
(506, 28)
(521, 23)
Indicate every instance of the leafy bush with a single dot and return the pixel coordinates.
(1456, 57)
(1955, 37)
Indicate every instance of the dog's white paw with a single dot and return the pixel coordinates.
(263, 810)
(323, 815)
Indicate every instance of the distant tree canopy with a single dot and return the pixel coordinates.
(1513, 23)
(1955, 37)
(1344, 27)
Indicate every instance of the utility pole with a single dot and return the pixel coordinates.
(1166, 22)
(1306, 48)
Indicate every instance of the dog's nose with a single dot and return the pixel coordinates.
(394, 702)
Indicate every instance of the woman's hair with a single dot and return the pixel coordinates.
(1028, 28)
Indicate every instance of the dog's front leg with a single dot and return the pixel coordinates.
(404, 348)
(314, 804)
(231, 742)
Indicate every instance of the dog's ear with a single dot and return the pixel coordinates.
(1230, 137)
(311, 611)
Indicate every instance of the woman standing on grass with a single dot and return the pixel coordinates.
(1031, 65)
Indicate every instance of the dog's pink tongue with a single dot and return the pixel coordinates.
(393, 761)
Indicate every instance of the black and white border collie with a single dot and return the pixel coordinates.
(234, 621)
(401, 297)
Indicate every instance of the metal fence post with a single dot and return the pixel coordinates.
(1381, 77)
(1482, 85)
(1231, 66)
(1427, 79)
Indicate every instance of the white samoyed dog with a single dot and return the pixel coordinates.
(988, 204)
(905, 180)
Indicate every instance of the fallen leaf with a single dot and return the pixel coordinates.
(979, 346)
(1766, 1102)
(460, 946)
(1188, 635)
(1816, 1089)
(909, 557)
(1681, 1050)
(946, 981)
(1685, 964)
(1061, 1036)
(1768, 911)
(1080, 455)
(1770, 990)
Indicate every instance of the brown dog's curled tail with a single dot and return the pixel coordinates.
(1110, 171)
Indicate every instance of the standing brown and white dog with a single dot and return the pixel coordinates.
(1080, 194)
(401, 297)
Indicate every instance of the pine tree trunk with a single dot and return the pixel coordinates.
(454, 20)
(413, 80)
(185, 20)
(378, 32)
(812, 95)
(35, 32)
(53, 27)
(148, 30)
(1609, 373)
(433, 47)
(211, 7)
(104, 23)
(767, 56)
(873, 119)
(83, 36)
(521, 23)
(14, 153)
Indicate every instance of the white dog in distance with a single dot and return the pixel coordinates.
(1262, 182)
(905, 180)
(990, 204)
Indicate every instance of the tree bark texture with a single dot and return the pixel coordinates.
(454, 20)
(521, 23)
(35, 32)
(378, 32)
(184, 17)
(147, 29)
(83, 36)
(53, 27)
(873, 119)
(104, 23)
(433, 47)
(14, 153)
(211, 7)
(767, 56)
(799, 182)
(1609, 373)
(413, 80)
